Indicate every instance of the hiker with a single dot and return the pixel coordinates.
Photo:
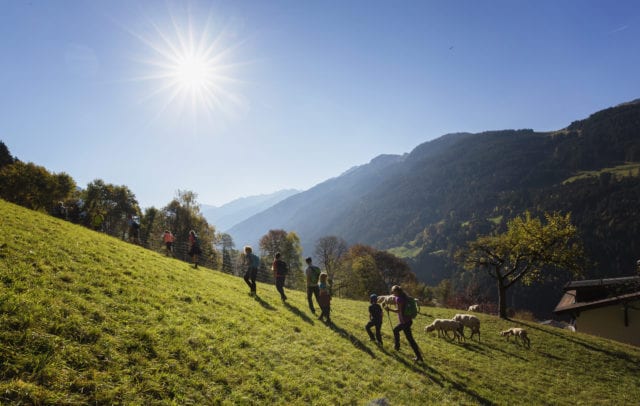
(405, 322)
(97, 221)
(194, 247)
(280, 269)
(134, 229)
(168, 239)
(375, 319)
(324, 298)
(313, 274)
(252, 263)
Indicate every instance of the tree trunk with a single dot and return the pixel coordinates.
(502, 299)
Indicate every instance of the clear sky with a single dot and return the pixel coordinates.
(238, 98)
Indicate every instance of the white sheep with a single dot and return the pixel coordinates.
(444, 325)
(470, 321)
(474, 308)
(386, 300)
(517, 332)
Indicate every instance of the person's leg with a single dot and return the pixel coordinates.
(368, 328)
(254, 275)
(396, 336)
(247, 279)
(316, 293)
(412, 341)
(309, 298)
(280, 287)
(379, 333)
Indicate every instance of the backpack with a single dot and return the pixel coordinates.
(282, 268)
(315, 274)
(410, 308)
(254, 261)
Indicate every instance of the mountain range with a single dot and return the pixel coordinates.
(428, 203)
(234, 212)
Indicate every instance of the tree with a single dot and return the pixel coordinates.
(288, 245)
(529, 250)
(5, 156)
(32, 186)
(115, 203)
(364, 270)
(226, 244)
(328, 252)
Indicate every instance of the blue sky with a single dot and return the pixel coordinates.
(287, 94)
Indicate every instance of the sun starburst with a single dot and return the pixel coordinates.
(191, 68)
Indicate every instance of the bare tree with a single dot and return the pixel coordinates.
(328, 252)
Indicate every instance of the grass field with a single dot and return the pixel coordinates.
(88, 319)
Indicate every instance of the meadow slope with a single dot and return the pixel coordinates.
(88, 319)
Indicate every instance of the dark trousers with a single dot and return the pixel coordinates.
(377, 325)
(312, 291)
(280, 286)
(250, 278)
(406, 327)
(326, 313)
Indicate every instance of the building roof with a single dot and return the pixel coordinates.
(568, 304)
(590, 283)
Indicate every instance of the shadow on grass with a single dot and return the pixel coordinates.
(264, 304)
(511, 354)
(353, 339)
(576, 340)
(436, 376)
(298, 313)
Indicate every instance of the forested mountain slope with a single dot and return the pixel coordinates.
(452, 189)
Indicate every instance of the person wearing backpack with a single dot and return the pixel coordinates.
(252, 262)
(375, 319)
(194, 247)
(405, 318)
(313, 274)
(280, 270)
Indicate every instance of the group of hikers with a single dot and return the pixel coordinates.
(318, 287)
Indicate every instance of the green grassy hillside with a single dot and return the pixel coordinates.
(88, 319)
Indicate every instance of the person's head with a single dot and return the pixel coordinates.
(277, 255)
(373, 298)
(396, 290)
(166, 231)
(323, 277)
(247, 249)
(192, 232)
(308, 261)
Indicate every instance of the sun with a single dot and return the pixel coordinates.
(191, 67)
(193, 73)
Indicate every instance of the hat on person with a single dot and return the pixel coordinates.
(373, 297)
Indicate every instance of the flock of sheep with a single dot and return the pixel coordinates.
(457, 324)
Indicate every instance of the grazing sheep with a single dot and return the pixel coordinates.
(444, 325)
(471, 321)
(386, 300)
(474, 308)
(517, 332)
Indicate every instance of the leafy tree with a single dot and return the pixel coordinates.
(526, 249)
(34, 187)
(328, 252)
(288, 245)
(180, 216)
(115, 203)
(226, 244)
(364, 270)
(5, 156)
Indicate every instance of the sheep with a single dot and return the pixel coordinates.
(517, 332)
(386, 300)
(471, 321)
(444, 325)
(474, 308)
